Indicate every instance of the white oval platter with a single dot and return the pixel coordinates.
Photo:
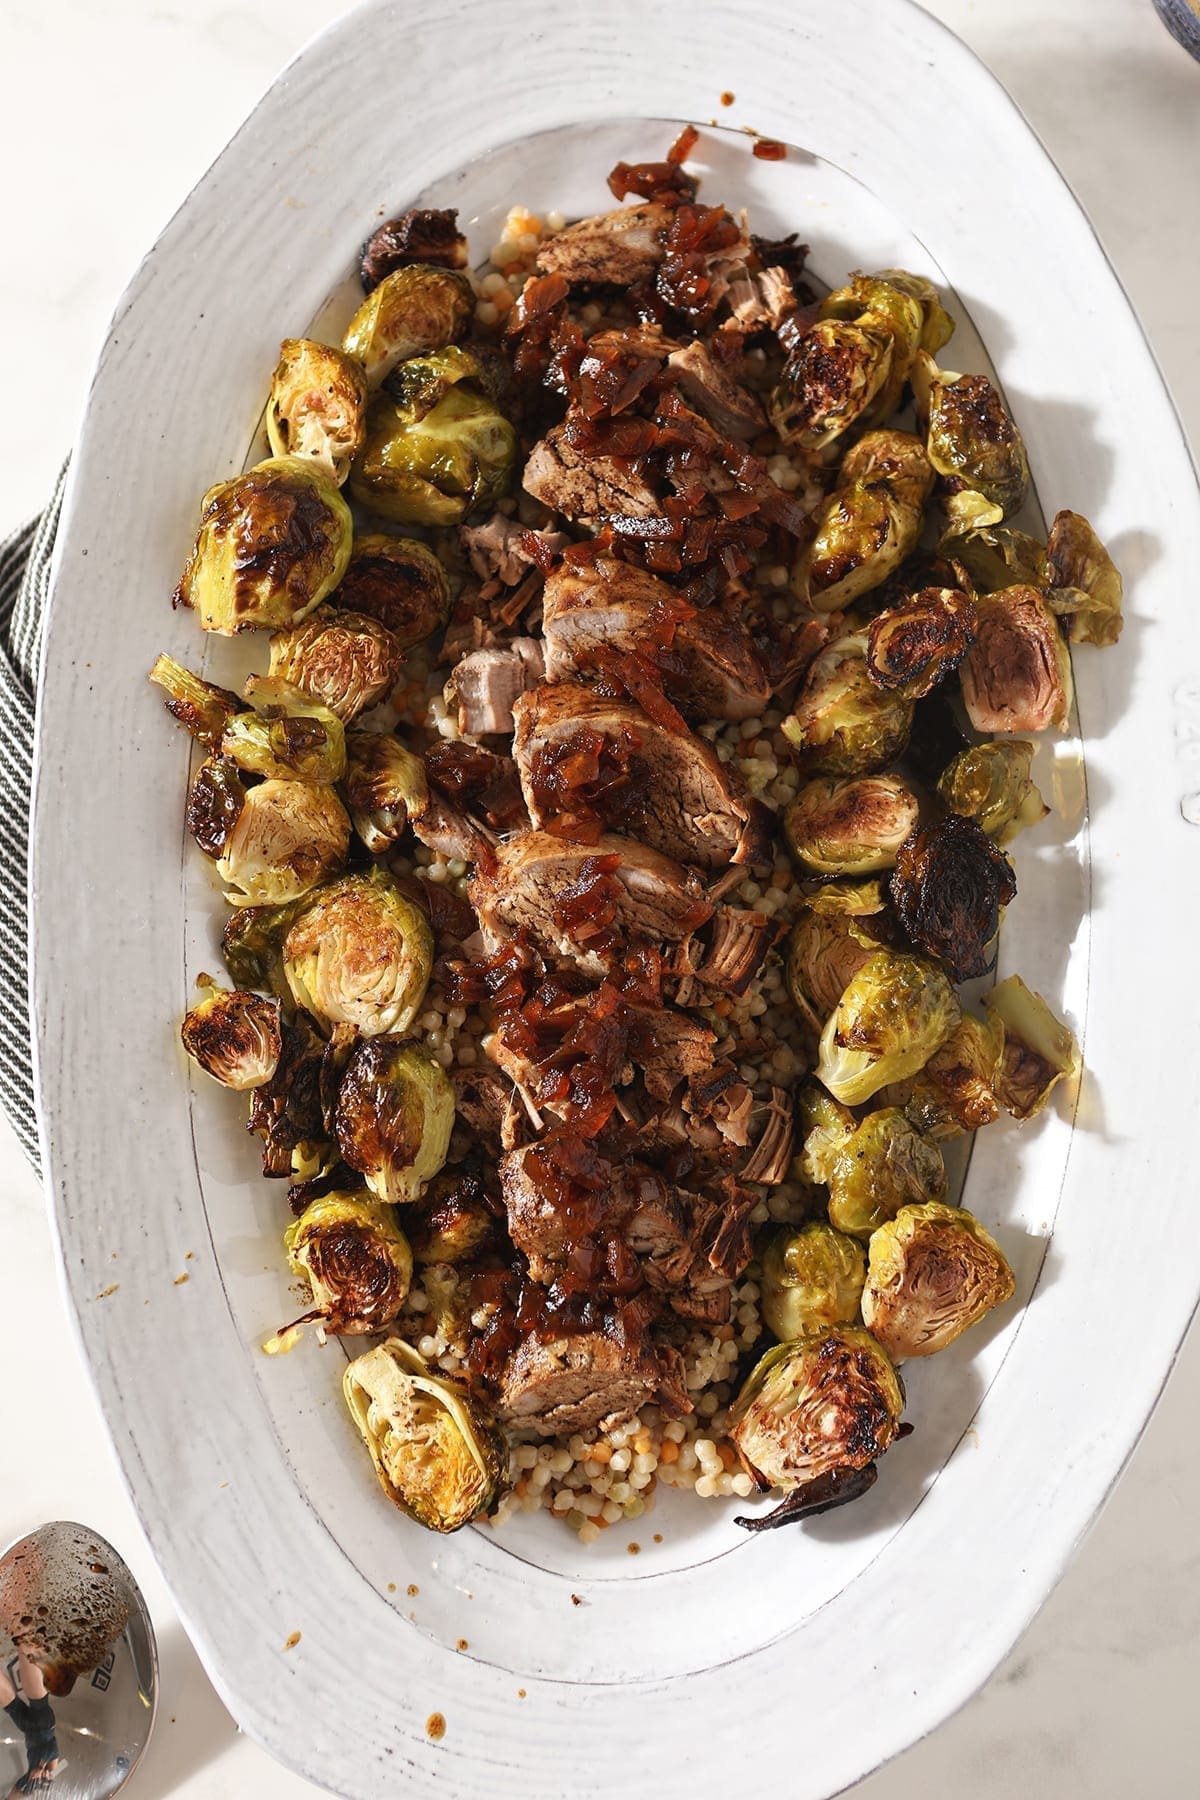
(803, 1659)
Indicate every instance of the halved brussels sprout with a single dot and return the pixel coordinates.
(957, 1090)
(287, 737)
(272, 543)
(399, 582)
(252, 945)
(421, 235)
(434, 471)
(831, 1400)
(360, 955)
(826, 1126)
(811, 1277)
(991, 783)
(850, 824)
(1085, 584)
(892, 459)
(911, 647)
(214, 804)
(288, 837)
(828, 382)
(455, 1220)
(824, 956)
(347, 661)
(1017, 674)
(841, 723)
(201, 708)
(973, 442)
(417, 386)
(937, 327)
(887, 1024)
(932, 1273)
(393, 1117)
(996, 556)
(385, 787)
(875, 303)
(419, 307)
(883, 1166)
(356, 1261)
(318, 406)
(870, 522)
(950, 886)
(438, 1454)
(234, 1036)
(1039, 1050)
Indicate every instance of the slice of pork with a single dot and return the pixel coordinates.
(499, 549)
(730, 406)
(765, 298)
(486, 684)
(615, 249)
(583, 485)
(574, 1383)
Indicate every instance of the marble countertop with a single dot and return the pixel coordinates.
(110, 114)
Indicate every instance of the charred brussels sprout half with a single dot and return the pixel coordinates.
(422, 235)
(360, 955)
(991, 784)
(811, 1277)
(841, 723)
(234, 1036)
(416, 308)
(1085, 584)
(956, 1091)
(318, 406)
(287, 737)
(288, 837)
(884, 1165)
(949, 887)
(400, 583)
(829, 1401)
(870, 522)
(201, 708)
(973, 443)
(272, 543)
(875, 303)
(385, 787)
(830, 942)
(393, 1117)
(434, 470)
(849, 825)
(829, 381)
(416, 387)
(889, 1021)
(355, 1259)
(344, 660)
(1017, 674)
(911, 647)
(1039, 1050)
(436, 1451)
(932, 1273)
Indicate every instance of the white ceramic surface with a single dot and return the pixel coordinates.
(950, 1599)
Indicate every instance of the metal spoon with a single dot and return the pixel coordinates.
(78, 1667)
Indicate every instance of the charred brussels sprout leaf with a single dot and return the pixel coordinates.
(234, 1036)
(1085, 584)
(973, 443)
(434, 471)
(1017, 674)
(416, 308)
(422, 235)
(272, 543)
(394, 1116)
(932, 1273)
(318, 406)
(869, 524)
(883, 1166)
(847, 825)
(1039, 1050)
(829, 381)
(991, 783)
(360, 955)
(286, 1111)
(356, 1261)
(911, 647)
(889, 1021)
(831, 1400)
(957, 1090)
(950, 884)
(201, 708)
(345, 660)
(400, 583)
(288, 837)
(287, 737)
(385, 787)
(811, 1277)
(997, 556)
(436, 1451)
(841, 723)
(214, 804)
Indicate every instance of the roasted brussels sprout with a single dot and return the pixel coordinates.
(831, 1400)
(399, 582)
(417, 386)
(1017, 674)
(956, 1091)
(455, 1219)
(318, 406)
(973, 442)
(811, 1277)
(869, 524)
(288, 736)
(892, 459)
(841, 723)
(252, 945)
(1085, 584)
(214, 804)
(849, 824)
(416, 308)
(201, 708)
(234, 1036)
(360, 955)
(824, 956)
(949, 887)
(385, 787)
(883, 1166)
(887, 1024)
(394, 1116)
(421, 235)
(434, 471)
(932, 1273)
(289, 836)
(286, 1111)
(911, 647)
(345, 660)
(874, 303)
(829, 381)
(996, 556)
(826, 1126)
(937, 327)
(356, 1260)
(991, 783)
(272, 543)
(1039, 1050)
(438, 1454)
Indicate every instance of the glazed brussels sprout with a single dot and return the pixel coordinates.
(234, 1036)
(996, 556)
(827, 1126)
(435, 470)
(252, 946)
(849, 824)
(385, 787)
(887, 1024)
(272, 543)
(354, 1258)
(318, 406)
(1016, 676)
(841, 723)
(393, 1117)
(949, 887)
(873, 302)
(418, 386)
(201, 708)
(288, 837)
(824, 956)
(1085, 584)
(869, 524)
(956, 1091)
(991, 783)
(1039, 1050)
(829, 381)
(932, 1273)
(883, 1166)
(421, 235)
(811, 1277)
(214, 804)
(455, 1220)
(399, 582)
(937, 327)
(288, 736)
(345, 660)
(973, 443)
(831, 1400)
(414, 309)
(892, 459)
(911, 647)
(437, 1453)
(360, 955)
